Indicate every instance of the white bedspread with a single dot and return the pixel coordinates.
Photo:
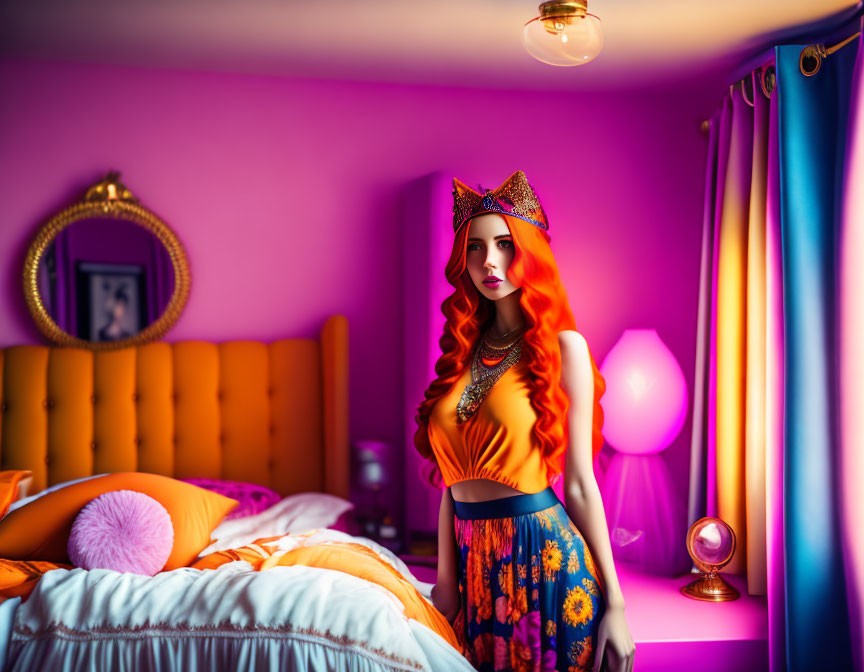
(283, 618)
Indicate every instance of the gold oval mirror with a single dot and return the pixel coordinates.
(106, 272)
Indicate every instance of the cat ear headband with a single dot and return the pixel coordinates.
(515, 198)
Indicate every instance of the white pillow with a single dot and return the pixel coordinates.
(59, 486)
(295, 513)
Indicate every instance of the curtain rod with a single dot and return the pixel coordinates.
(840, 45)
(809, 62)
(828, 29)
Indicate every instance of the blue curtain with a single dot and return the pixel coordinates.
(813, 118)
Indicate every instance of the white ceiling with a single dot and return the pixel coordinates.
(455, 42)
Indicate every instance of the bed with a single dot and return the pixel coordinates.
(270, 414)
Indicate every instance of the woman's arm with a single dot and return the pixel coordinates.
(446, 540)
(445, 594)
(585, 506)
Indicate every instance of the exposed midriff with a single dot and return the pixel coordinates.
(495, 443)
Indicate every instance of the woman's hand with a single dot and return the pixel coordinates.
(614, 641)
(445, 597)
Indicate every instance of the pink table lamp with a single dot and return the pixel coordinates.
(644, 409)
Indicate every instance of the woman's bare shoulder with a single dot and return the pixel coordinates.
(571, 340)
(574, 352)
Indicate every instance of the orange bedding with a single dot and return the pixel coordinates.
(9, 481)
(19, 577)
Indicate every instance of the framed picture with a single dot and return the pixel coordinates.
(110, 301)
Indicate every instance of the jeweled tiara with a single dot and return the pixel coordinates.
(515, 197)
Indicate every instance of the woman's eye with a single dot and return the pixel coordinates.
(473, 246)
(505, 243)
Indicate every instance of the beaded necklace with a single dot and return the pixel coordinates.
(483, 376)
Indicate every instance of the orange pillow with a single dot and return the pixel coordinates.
(9, 487)
(40, 530)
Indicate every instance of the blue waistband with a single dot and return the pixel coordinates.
(506, 507)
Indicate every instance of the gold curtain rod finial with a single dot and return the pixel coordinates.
(705, 126)
(810, 60)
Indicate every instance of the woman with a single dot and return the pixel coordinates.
(115, 311)
(516, 386)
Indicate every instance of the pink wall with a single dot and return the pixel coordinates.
(286, 194)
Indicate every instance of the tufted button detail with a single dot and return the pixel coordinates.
(135, 396)
(4, 407)
(92, 398)
(93, 444)
(44, 403)
(47, 459)
(272, 430)
(50, 403)
(269, 391)
(137, 440)
(271, 463)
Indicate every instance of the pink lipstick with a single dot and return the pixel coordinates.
(492, 282)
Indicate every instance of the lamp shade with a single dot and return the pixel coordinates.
(371, 458)
(564, 34)
(646, 394)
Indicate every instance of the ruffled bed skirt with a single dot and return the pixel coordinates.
(159, 649)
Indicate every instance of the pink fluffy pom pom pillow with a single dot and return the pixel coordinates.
(122, 530)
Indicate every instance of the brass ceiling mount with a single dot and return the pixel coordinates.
(561, 12)
(555, 8)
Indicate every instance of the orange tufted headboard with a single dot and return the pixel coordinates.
(274, 414)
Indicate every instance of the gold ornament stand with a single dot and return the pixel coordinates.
(711, 588)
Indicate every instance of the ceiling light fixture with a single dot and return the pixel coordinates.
(564, 33)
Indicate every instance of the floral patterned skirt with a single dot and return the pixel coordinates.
(530, 595)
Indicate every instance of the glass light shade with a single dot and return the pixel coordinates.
(563, 40)
(645, 402)
(371, 468)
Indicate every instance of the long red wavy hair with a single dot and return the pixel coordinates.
(544, 305)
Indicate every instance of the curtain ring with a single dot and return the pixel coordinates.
(768, 80)
(747, 83)
(810, 61)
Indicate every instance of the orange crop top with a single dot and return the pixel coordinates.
(494, 443)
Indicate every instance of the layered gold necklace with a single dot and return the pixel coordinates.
(483, 375)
